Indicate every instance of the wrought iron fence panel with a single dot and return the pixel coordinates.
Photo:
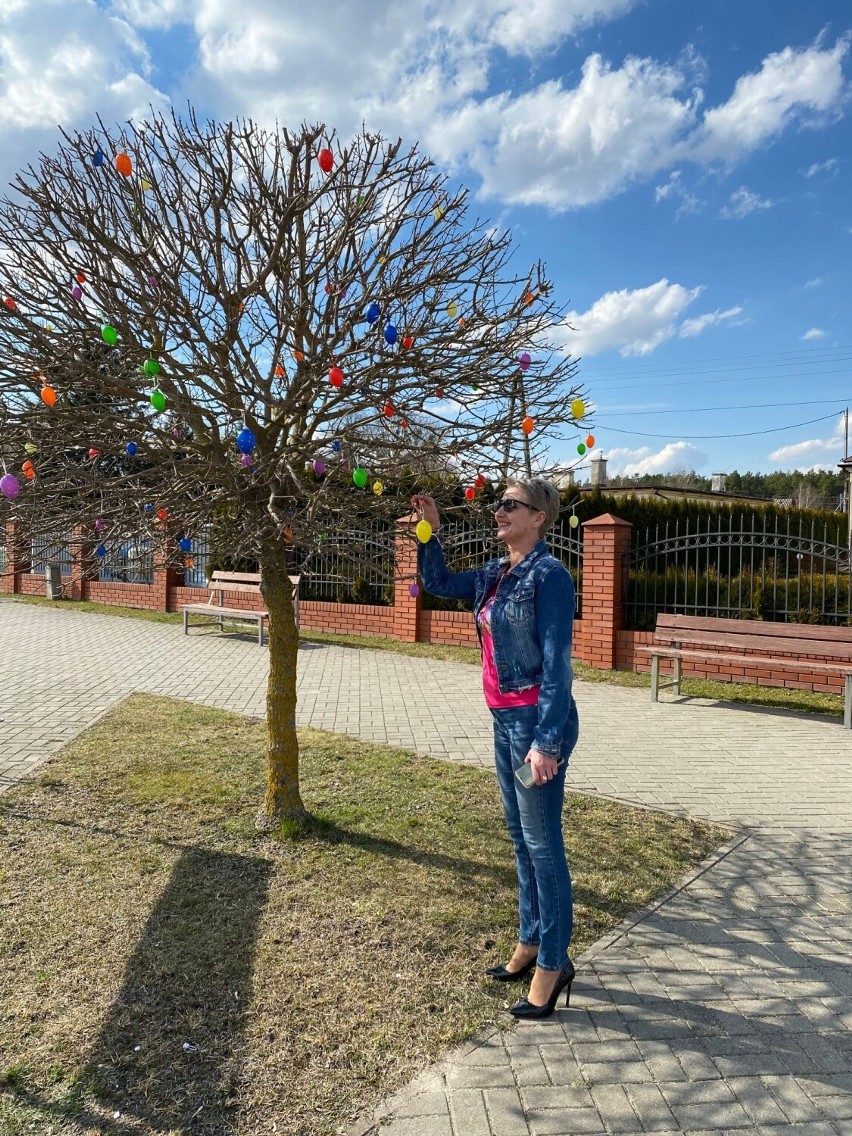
(48, 548)
(741, 567)
(128, 562)
(470, 546)
(195, 573)
(354, 566)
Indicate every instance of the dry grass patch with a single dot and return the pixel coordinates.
(164, 969)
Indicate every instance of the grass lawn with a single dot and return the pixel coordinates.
(749, 693)
(164, 969)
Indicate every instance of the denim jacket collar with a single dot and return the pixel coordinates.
(524, 565)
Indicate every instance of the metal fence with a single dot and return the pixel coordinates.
(128, 562)
(50, 548)
(467, 546)
(195, 575)
(354, 566)
(747, 566)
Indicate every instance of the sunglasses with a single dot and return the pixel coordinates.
(509, 504)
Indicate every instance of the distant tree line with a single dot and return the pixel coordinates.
(816, 489)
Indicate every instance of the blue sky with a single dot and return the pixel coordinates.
(684, 168)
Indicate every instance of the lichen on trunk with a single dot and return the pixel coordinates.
(283, 799)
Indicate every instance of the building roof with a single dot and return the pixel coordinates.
(675, 493)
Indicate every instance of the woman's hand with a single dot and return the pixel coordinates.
(543, 768)
(427, 510)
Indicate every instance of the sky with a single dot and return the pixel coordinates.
(683, 168)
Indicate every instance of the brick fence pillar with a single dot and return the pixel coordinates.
(406, 608)
(17, 558)
(166, 579)
(606, 542)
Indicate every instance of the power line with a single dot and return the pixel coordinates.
(838, 402)
(738, 378)
(728, 362)
(707, 437)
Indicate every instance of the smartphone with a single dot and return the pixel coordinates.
(524, 773)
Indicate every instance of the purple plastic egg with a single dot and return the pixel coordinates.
(10, 486)
(246, 460)
(77, 292)
(524, 360)
(100, 524)
(319, 468)
(413, 590)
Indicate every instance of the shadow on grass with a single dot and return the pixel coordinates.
(168, 1051)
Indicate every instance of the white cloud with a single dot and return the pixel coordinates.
(672, 457)
(674, 189)
(635, 322)
(742, 202)
(829, 166)
(156, 13)
(790, 86)
(698, 324)
(63, 61)
(814, 333)
(807, 454)
(815, 283)
(568, 148)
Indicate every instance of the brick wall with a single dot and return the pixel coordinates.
(600, 637)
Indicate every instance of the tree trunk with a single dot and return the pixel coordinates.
(282, 786)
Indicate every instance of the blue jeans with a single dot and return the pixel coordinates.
(534, 820)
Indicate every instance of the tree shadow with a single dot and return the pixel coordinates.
(168, 1053)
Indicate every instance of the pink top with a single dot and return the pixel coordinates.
(494, 698)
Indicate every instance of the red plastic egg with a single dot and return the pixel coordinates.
(326, 161)
(470, 493)
(389, 410)
(335, 377)
(407, 342)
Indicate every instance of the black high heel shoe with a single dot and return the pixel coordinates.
(500, 974)
(527, 1009)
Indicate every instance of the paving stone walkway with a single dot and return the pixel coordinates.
(727, 1008)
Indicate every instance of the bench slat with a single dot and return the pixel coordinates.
(767, 661)
(780, 644)
(215, 610)
(759, 627)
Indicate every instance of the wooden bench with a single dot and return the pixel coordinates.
(244, 583)
(781, 646)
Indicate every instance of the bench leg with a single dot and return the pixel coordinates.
(678, 674)
(186, 623)
(847, 705)
(655, 678)
(260, 631)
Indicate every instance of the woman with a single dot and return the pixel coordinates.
(524, 612)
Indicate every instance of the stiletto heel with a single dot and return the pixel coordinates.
(527, 1009)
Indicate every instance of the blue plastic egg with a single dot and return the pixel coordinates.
(245, 441)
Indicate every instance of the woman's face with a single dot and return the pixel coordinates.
(521, 525)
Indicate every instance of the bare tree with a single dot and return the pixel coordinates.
(208, 321)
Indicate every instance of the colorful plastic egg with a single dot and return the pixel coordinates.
(359, 476)
(245, 441)
(335, 377)
(10, 486)
(325, 160)
(158, 399)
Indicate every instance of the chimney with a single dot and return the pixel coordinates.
(598, 474)
(718, 482)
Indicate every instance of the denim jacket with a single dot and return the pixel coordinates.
(531, 623)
